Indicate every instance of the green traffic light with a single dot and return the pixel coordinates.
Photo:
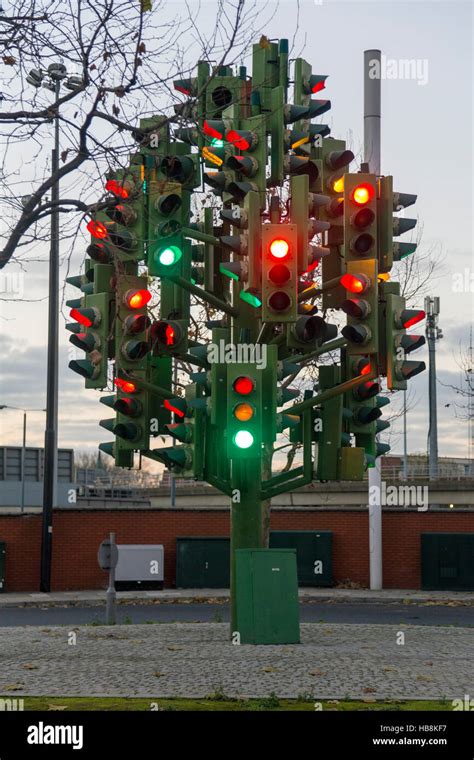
(216, 143)
(169, 256)
(250, 298)
(243, 439)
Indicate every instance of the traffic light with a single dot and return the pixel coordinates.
(247, 268)
(132, 343)
(361, 307)
(390, 226)
(188, 460)
(249, 163)
(360, 217)
(402, 225)
(279, 272)
(92, 327)
(184, 169)
(168, 213)
(119, 229)
(131, 425)
(335, 159)
(310, 331)
(168, 337)
(244, 410)
(399, 343)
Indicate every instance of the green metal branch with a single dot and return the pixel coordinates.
(330, 393)
(203, 237)
(204, 295)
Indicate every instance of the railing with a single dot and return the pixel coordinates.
(421, 472)
(140, 485)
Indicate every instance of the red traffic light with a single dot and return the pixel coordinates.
(410, 317)
(362, 194)
(166, 333)
(125, 385)
(136, 299)
(361, 366)
(86, 317)
(366, 390)
(97, 229)
(240, 140)
(243, 385)
(172, 408)
(120, 189)
(355, 283)
(214, 128)
(279, 248)
(131, 407)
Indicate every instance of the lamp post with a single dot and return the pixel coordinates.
(51, 80)
(23, 449)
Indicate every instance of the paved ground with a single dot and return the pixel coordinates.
(335, 594)
(333, 661)
(314, 611)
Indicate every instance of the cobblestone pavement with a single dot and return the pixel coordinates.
(333, 661)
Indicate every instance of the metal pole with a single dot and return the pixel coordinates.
(432, 335)
(372, 157)
(51, 432)
(23, 457)
(111, 595)
(405, 453)
(372, 110)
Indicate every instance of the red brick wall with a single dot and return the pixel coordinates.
(77, 535)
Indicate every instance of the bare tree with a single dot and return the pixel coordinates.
(464, 390)
(125, 55)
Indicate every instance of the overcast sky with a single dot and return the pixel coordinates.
(426, 145)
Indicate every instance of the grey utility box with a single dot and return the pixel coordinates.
(139, 566)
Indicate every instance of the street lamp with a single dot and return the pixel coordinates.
(51, 80)
(23, 450)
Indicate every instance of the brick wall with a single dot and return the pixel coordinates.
(77, 535)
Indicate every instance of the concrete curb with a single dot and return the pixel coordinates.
(359, 596)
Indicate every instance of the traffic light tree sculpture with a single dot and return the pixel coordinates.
(296, 237)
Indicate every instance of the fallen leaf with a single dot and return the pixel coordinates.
(317, 672)
(9, 60)
(158, 674)
(29, 666)
(368, 690)
(13, 687)
(424, 678)
(269, 669)
(174, 647)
